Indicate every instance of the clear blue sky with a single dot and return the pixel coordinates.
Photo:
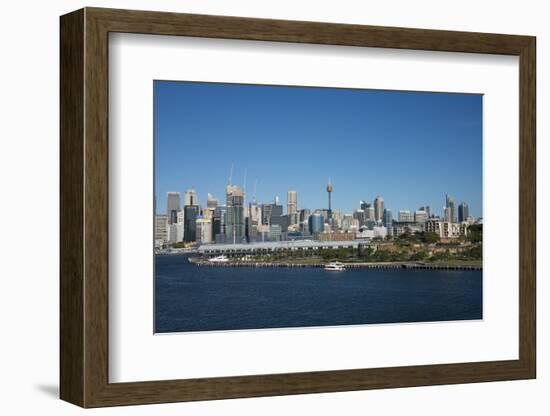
(409, 147)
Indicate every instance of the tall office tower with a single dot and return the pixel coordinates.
(161, 230)
(420, 216)
(172, 206)
(369, 213)
(405, 215)
(292, 202)
(364, 205)
(316, 223)
(211, 202)
(388, 221)
(359, 215)
(235, 214)
(277, 217)
(219, 224)
(266, 213)
(450, 211)
(190, 197)
(427, 209)
(347, 222)
(463, 212)
(204, 231)
(304, 214)
(337, 217)
(190, 214)
(329, 191)
(253, 221)
(378, 208)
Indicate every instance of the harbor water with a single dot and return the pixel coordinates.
(192, 298)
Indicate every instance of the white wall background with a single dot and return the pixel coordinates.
(29, 158)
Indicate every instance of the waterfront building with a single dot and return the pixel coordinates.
(172, 233)
(180, 229)
(463, 212)
(190, 197)
(219, 224)
(235, 214)
(276, 246)
(378, 208)
(191, 212)
(316, 223)
(204, 231)
(450, 211)
(172, 206)
(404, 215)
(180, 217)
(161, 230)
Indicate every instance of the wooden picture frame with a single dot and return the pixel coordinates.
(84, 207)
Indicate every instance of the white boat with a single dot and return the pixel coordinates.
(219, 259)
(335, 267)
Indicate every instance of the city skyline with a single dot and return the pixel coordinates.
(285, 203)
(407, 162)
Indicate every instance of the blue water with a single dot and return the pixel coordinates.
(191, 298)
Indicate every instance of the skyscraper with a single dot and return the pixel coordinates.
(316, 223)
(235, 214)
(191, 211)
(190, 214)
(292, 207)
(172, 206)
(359, 215)
(450, 211)
(219, 224)
(211, 202)
(463, 212)
(253, 221)
(190, 197)
(388, 221)
(161, 230)
(378, 208)
(304, 214)
(292, 202)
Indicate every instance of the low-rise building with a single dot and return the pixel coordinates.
(402, 227)
(446, 229)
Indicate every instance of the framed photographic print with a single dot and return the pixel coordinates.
(255, 207)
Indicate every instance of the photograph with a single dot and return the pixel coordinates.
(282, 206)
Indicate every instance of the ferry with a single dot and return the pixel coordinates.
(219, 259)
(335, 267)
